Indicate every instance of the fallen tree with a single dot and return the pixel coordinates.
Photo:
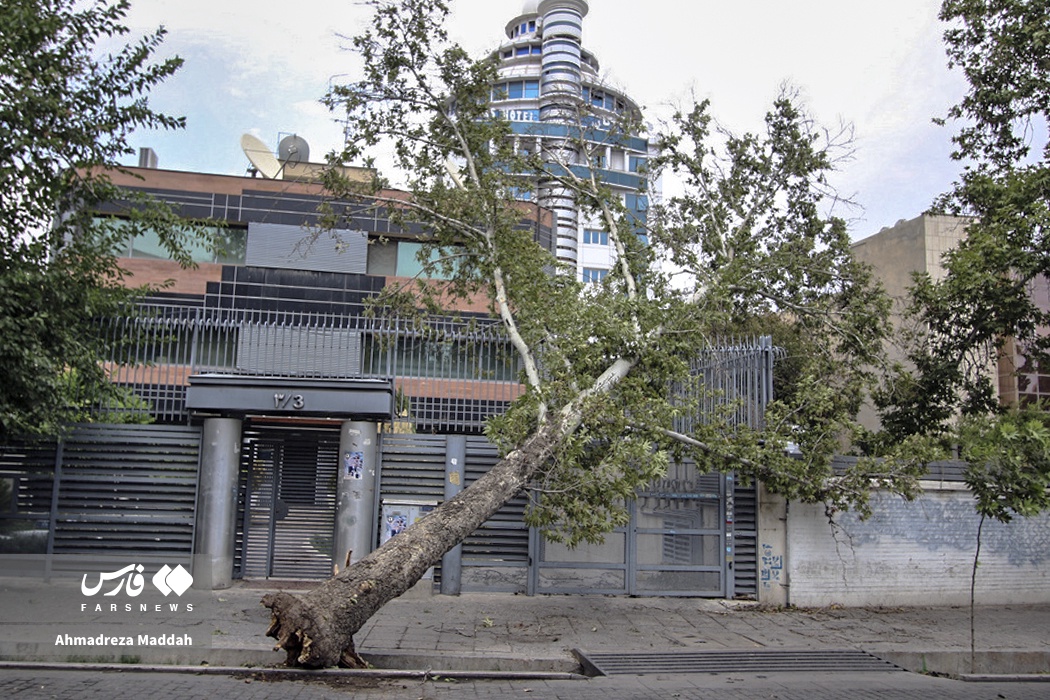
(748, 245)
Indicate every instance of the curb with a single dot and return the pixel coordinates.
(279, 672)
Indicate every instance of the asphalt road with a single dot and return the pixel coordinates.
(24, 684)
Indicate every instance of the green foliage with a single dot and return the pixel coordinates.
(1009, 463)
(989, 292)
(987, 306)
(66, 112)
(750, 236)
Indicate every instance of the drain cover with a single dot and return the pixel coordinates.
(605, 663)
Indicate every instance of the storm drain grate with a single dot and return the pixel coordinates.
(604, 663)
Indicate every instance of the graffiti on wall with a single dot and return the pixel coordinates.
(771, 567)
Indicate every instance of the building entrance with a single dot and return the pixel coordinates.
(679, 542)
(288, 490)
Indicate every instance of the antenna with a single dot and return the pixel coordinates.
(293, 149)
(260, 156)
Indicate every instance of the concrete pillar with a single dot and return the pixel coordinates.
(452, 562)
(217, 485)
(355, 515)
(774, 586)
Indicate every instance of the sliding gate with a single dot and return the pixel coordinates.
(679, 543)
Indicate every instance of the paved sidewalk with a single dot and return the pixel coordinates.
(505, 632)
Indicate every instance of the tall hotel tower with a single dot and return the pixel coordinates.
(547, 83)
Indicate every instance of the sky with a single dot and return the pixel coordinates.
(262, 68)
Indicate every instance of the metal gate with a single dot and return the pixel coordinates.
(679, 543)
(105, 494)
(288, 487)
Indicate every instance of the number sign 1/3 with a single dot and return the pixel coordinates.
(295, 401)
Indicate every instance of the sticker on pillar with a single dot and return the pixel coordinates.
(354, 465)
(396, 523)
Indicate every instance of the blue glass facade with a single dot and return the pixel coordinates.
(549, 87)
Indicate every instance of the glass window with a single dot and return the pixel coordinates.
(592, 237)
(532, 88)
(536, 50)
(522, 51)
(409, 265)
(514, 90)
(636, 202)
(593, 275)
(532, 26)
(226, 245)
(524, 27)
(636, 164)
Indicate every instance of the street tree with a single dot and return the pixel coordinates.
(991, 306)
(991, 303)
(749, 238)
(67, 108)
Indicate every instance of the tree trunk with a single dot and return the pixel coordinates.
(316, 628)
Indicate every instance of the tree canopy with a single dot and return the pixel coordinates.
(749, 238)
(991, 304)
(66, 111)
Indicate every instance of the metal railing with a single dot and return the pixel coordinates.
(450, 374)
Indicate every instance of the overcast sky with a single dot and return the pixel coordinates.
(261, 68)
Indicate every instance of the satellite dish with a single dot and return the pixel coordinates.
(293, 149)
(260, 156)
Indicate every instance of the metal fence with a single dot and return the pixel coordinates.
(450, 374)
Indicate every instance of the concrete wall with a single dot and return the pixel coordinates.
(914, 553)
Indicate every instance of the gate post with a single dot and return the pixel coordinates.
(216, 522)
(455, 464)
(355, 515)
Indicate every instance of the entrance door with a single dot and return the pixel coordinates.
(679, 529)
(675, 545)
(289, 481)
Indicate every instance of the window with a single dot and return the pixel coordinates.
(523, 194)
(592, 237)
(516, 90)
(521, 51)
(636, 164)
(224, 244)
(636, 202)
(593, 275)
(409, 264)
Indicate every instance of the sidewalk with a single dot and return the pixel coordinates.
(512, 633)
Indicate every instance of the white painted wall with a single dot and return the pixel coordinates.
(911, 553)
